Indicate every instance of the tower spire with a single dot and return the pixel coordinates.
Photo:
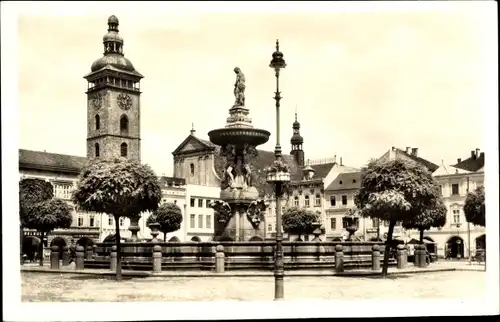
(297, 141)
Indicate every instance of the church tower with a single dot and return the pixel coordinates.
(113, 102)
(297, 142)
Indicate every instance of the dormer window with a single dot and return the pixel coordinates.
(340, 182)
(353, 180)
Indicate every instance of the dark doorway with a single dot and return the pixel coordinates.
(481, 242)
(455, 247)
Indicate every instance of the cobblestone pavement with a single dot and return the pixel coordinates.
(42, 287)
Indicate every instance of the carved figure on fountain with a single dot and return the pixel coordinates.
(256, 211)
(239, 87)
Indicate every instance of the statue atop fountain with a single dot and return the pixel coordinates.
(239, 214)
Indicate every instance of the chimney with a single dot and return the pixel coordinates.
(472, 154)
(393, 148)
(193, 131)
(341, 161)
(459, 160)
(477, 153)
(408, 150)
(414, 152)
(482, 155)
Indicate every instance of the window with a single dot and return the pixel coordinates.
(191, 166)
(62, 191)
(353, 180)
(344, 200)
(91, 221)
(333, 202)
(208, 223)
(97, 122)
(456, 216)
(454, 189)
(80, 221)
(440, 190)
(124, 149)
(110, 220)
(375, 222)
(296, 201)
(306, 201)
(269, 227)
(97, 152)
(340, 182)
(333, 223)
(317, 201)
(192, 202)
(192, 219)
(200, 221)
(124, 124)
(200, 203)
(207, 203)
(122, 221)
(344, 224)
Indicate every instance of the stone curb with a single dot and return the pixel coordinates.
(237, 274)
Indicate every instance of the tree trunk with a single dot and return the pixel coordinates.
(388, 244)
(41, 250)
(164, 236)
(421, 236)
(118, 249)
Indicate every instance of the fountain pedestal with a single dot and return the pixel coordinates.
(239, 214)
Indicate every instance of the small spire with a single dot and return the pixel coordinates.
(277, 45)
(296, 112)
(193, 131)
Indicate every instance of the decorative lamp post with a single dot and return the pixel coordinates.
(278, 175)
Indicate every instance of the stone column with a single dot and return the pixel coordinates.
(423, 256)
(157, 259)
(65, 256)
(113, 259)
(376, 257)
(79, 260)
(339, 259)
(54, 257)
(219, 259)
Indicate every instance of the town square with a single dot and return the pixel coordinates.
(177, 156)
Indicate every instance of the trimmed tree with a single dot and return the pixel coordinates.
(121, 188)
(434, 216)
(299, 221)
(48, 215)
(31, 192)
(169, 216)
(394, 190)
(474, 207)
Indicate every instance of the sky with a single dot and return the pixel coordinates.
(362, 81)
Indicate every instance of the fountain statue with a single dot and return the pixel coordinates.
(239, 214)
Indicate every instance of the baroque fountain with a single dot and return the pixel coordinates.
(239, 214)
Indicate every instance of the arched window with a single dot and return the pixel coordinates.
(191, 166)
(97, 122)
(317, 201)
(296, 201)
(124, 124)
(306, 201)
(124, 149)
(97, 152)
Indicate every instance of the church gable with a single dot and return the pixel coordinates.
(192, 144)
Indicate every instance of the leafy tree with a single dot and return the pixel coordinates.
(122, 188)
(474, 208)
(434, 216)
(394, 190)
(169, 216)
(48, 215)
(31, 192)
(299, 221)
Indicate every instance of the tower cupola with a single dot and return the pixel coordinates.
(297, 140)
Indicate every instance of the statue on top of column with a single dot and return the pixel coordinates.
(239, 87)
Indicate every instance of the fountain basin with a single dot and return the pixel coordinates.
(226, 136)
(245, 196)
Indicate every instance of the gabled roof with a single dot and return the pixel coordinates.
(320, 171)
(346, 181)
(38, 160)
(473, 163)
(445, 170)
(194, 144)
(426, 163)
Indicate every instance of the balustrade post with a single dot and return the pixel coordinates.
(375, 258)
(113, 259)
(89, 253)
(339, 259)
(219, 259)
(54, 257)
(80, 257)
(400, 256)
(157, 259)
(65, 256)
